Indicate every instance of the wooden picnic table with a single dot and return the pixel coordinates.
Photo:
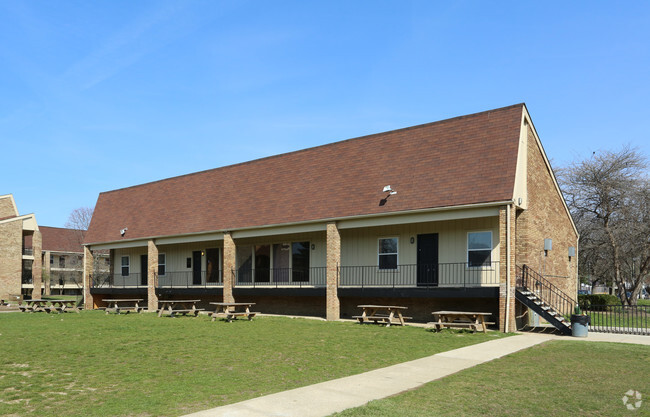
(229, 311)
(461, 319)
(381, 314)
(60, 306)
(116, 305)
(173, 307)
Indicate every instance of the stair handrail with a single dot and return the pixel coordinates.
(547, 292)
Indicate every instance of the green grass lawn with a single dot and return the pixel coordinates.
(559, 378)
(92, 364)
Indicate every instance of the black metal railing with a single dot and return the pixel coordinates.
(545, 290)
(191, 279)
(281, 277)
(66, 278)
(458, 274)
(107, 280)
(28, 251)
(618, 319)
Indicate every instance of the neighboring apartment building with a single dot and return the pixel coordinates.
(20, 250)
(48, 259)
(448, 215)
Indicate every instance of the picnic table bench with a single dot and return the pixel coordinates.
(116, 305)
(60, 306)
(229, 312)
(461, 319)
(380, 314)
(173, 307)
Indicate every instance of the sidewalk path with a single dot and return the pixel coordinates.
(337, 395)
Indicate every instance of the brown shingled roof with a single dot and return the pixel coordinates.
(465, 160)
(57, 239)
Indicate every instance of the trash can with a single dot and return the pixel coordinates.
(579, 325)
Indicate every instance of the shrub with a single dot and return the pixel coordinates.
(596, 302)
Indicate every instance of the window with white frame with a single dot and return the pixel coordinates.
(479, 249)
(162, 261)
(126, 264)
(388, 253)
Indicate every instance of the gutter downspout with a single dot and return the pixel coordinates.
(507, 321)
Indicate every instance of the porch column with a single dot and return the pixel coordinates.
(507, 249)
(152, 276)
(333, 261)
(48, 271)
(89, 261)
(229, 259)
(37, 265)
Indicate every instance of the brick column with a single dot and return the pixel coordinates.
(152, 276)
(89, 261)
(37, 265)
(11, 258)
(47, 269)
(229, 259)
(333, 262)
(503, 269)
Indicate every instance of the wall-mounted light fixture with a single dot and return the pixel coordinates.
(202, 253)
(412, 240)
(548, 245)
(313, 246)
(123, 231)
(572, 252)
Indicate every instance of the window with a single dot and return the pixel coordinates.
(51, 260)
(61, 262)
(126, 263)
(388, 253)
(162, 260)
(479, 249)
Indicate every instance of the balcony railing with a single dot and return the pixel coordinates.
(66, 278)
(28, 251)
(106, 280)
(451, 275)
(191, 279)
(281, 277)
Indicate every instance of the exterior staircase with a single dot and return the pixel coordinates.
(544, 298)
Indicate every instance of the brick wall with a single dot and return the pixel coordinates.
(37, 266)
(546, 217)
(7, 208)
(11, 252)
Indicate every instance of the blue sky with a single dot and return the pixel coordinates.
(101, 95)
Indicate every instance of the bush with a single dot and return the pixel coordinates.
(596, 301)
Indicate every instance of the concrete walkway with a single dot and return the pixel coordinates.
(337, 395)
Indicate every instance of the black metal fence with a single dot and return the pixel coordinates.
(619, 319)
(458, 274)
(281, 277)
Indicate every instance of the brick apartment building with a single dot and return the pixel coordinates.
(444, 215)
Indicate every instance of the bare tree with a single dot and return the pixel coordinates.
(609, 198)
(79, 220)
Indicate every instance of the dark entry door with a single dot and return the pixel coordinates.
(144, 269)
(428, 259)
(196, 268)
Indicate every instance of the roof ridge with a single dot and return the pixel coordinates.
(420, 126)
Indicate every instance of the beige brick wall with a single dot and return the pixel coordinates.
(152, 275)
(333, 308)
(11, 252)
(229, 259)
(504, 289)
(37, 266)
(546, 217)
(88, 273)
(7, 208)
